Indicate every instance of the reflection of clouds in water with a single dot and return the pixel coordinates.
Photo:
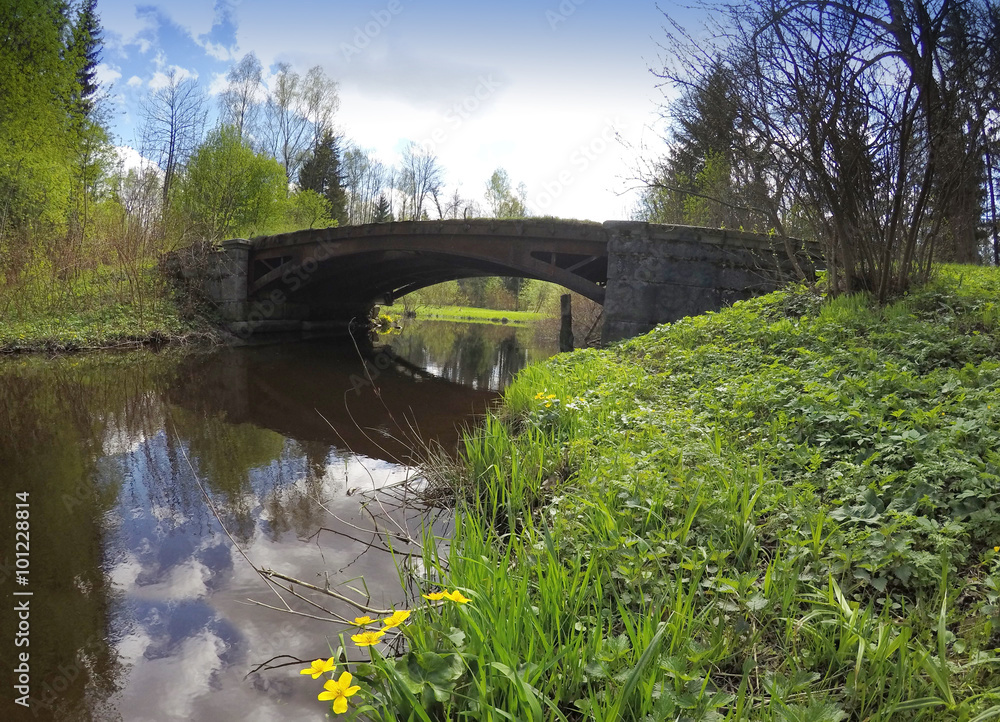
(168, 688)
(120, 441)
(183, 588)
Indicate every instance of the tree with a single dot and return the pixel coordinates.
(174, 118)
(85, 51)
(320, 172)
(287, 129)
(456, 206)
(228, 190)
(365, 179)
(420, 177)
(383, 210)
(847, 119)
(240, 100)
(501, 200)
(701, 179)
(320, 101)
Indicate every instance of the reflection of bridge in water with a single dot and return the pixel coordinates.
(376, 409)
(643, 273)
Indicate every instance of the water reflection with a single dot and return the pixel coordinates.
(139, 598)
(481, 356)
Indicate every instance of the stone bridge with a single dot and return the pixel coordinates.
(644, 274)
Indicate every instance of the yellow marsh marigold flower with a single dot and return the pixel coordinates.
(397, 618)
(319, 667)
(367, 639)
(339, 691)
(457, 596)
(996, 549)
(540, 395)
(362, 621)
(435, 596)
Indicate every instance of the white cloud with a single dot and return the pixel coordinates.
(217, 84)
(161, 79)
(134, 82)
(107, 74)
(217, 50)
(130, 159)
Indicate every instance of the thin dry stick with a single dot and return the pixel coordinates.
(328, 592)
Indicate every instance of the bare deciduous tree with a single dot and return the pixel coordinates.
(420, 177)
(174, 118)
(287, 132)
(321, 101)
(241, 99)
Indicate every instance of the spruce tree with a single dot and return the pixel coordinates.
(85, 49)
(383, 211)
(321, 173)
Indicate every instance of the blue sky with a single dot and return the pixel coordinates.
(558, 92)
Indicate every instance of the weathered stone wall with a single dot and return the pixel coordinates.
(658, 273)
(217, 275)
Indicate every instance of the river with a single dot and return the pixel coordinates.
(133, 596)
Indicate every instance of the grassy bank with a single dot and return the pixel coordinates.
(466, 313)
(784, 511)
(99, 308)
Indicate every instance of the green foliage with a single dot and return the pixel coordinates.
(502, 199)
(320, 172)
(783, 511)
(307, 209)
(230, 191)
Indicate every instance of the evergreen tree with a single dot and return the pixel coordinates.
(321, 173)
(383, 211)
(85, 50)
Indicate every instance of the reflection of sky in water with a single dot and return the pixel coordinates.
(180, 620)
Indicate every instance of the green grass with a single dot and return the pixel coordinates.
(467, 313)
(787, 510)
(97, 309)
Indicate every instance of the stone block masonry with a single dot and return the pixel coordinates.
(658, 273)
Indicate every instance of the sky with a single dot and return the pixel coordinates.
(559, 93)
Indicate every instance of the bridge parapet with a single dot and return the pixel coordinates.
(660, 273)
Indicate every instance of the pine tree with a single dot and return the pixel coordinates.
(321, 173)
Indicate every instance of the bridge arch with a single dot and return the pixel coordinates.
(365, 264)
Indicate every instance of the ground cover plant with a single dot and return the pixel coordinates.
(786, 510)
(97, 308)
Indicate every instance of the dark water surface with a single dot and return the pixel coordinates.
(138, 606)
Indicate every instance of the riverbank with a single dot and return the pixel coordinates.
(96, 311)
(470, 314)
(787, 510)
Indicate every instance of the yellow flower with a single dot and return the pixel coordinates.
(457, 596)
(540, 395)
(435, 596)
(366, 639)
(397, 618)
(339, 691)
(319, 667)
(551, 396)
(362, 621)
(996, 549)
